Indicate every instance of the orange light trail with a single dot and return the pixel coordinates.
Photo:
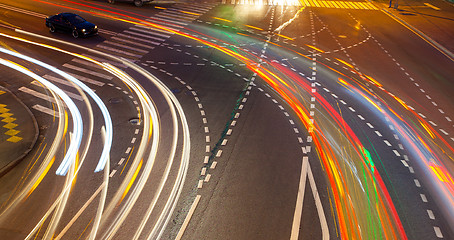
(335, 177)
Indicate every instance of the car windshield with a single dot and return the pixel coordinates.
(76, 19)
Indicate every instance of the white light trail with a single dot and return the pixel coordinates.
(74, 145)
(107, 119)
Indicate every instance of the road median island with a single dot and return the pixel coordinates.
(18, 131)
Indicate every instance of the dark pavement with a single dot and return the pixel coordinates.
(18, 132)
(434, 19)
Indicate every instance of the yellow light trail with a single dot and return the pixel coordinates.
(132, 180)
(222, 19)
(283, 36)
(257, 28)
(315, 48)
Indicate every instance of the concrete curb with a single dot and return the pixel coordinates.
(426, 38)
(4, 170)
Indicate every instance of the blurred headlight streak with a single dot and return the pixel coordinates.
(95, 97)
(77, 119)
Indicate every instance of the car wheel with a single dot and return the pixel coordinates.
(51, 28)
(111, 1)
(138, 3)
(75, 33)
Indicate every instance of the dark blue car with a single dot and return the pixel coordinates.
(73, 23)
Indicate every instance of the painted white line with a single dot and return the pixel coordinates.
(219, 153)
(438, 232)
(148, 30)
(200, 184)
(145, 36)
(188, 217)
(45, 110)
(444, 132)
(318, 205)
(417, 183)
(396, 152)
(299, 200)
(404, 163)
(126, 47)
(431, 214)
(423, 197)
(135, 38)
(387, 143)
(116, 50)
(113, 173)
(36, 94)
(378, 133)
(84, 70)
(213, 165)
(207, 178)
(133, 42)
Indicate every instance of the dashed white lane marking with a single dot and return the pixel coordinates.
(438, 232)
(423, 197)
(417, 183)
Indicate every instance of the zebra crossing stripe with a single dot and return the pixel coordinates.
(70, 94)
(126, 47)
(36, 94)
(133, 42)
(136, 38)
(127, 53)
(149, 31)
(45, 110)
(84, 70)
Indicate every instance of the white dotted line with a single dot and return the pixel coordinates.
(205, 127)
(414, 82)
(128, 150)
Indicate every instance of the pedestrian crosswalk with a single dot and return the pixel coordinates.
(131, 44)
(359, 5)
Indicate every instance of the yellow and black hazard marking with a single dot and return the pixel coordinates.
(339, 4)
(7, 118)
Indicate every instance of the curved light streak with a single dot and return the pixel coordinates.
(105, 112)
(319, 140)
(77, 119)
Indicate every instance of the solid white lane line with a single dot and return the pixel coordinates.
(299, 200)
(188, 217)
(318, 205)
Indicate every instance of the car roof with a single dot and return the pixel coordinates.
(66, 14)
